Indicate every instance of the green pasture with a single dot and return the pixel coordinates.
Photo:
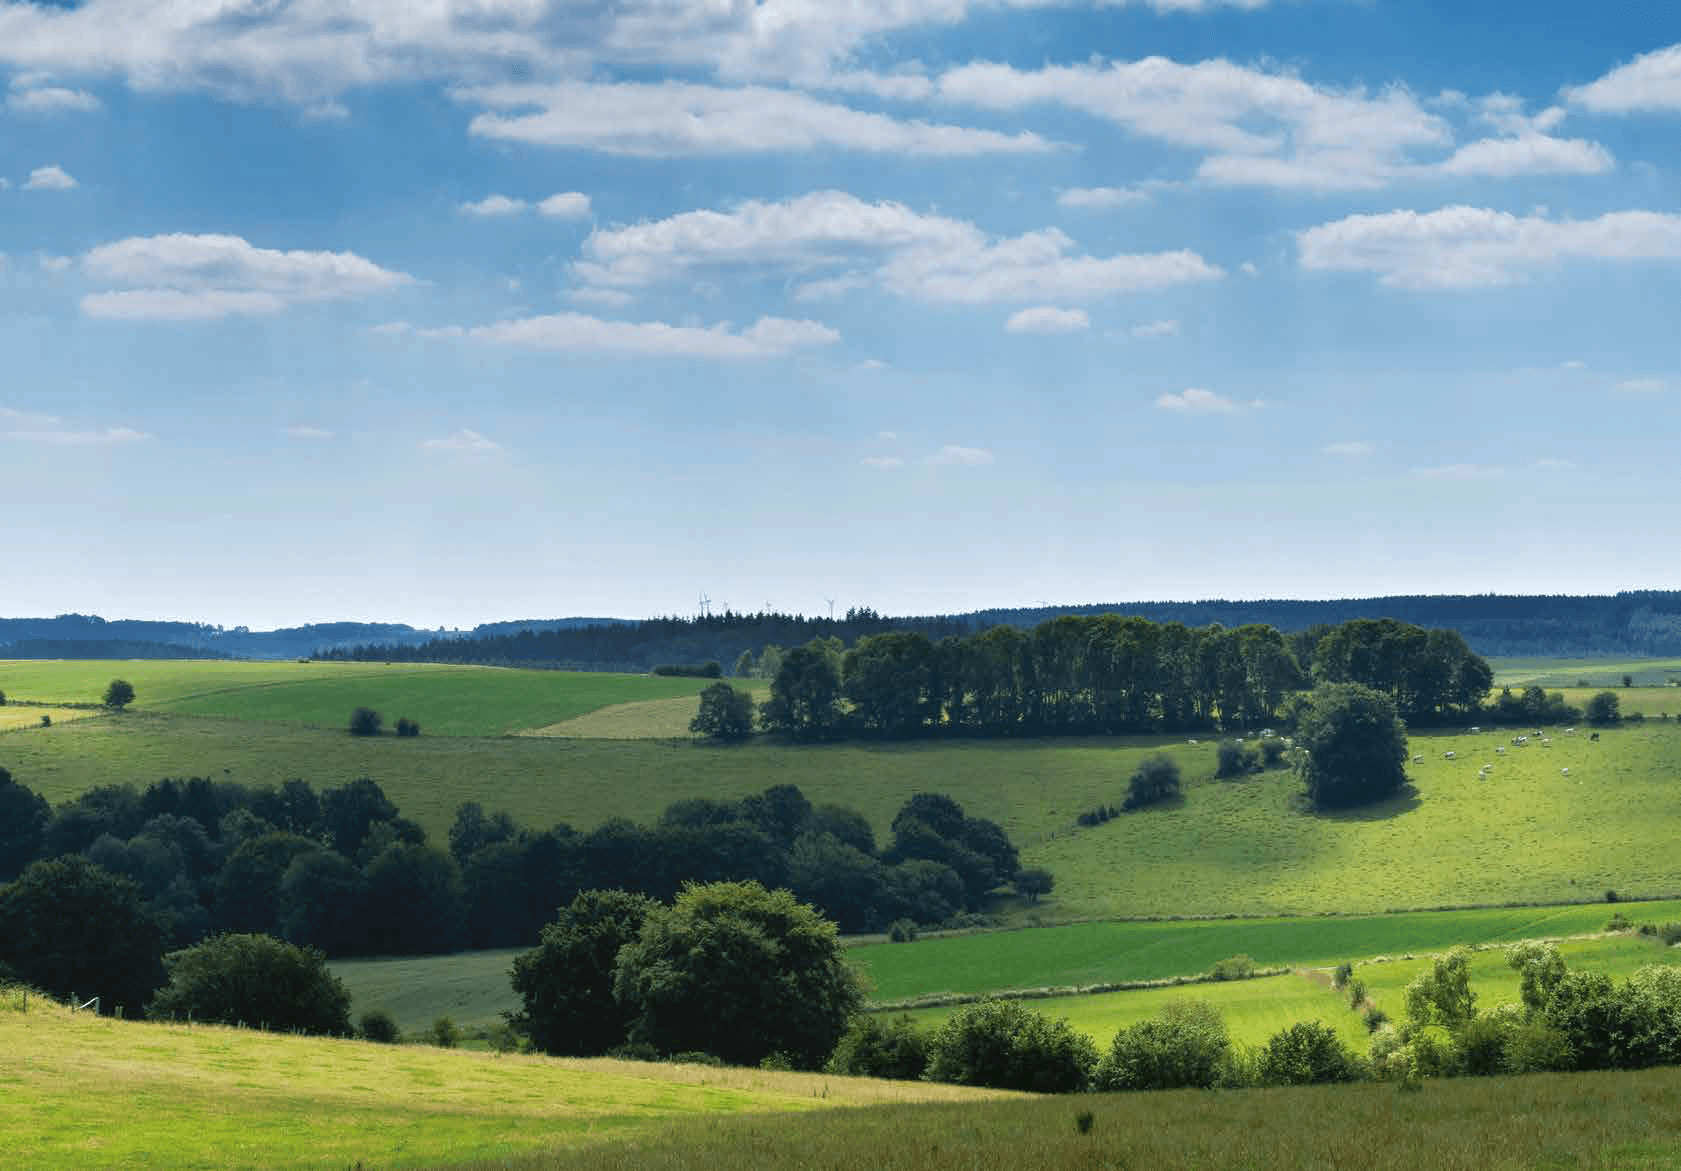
(1527, 833)
(1080, 954)
(78, 1090)
(1590, 1120)
(1252, 1009)
(1600, 673)
(470, 987)
(12, 716)
(444, 700)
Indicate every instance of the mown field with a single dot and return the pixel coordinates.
(1599, 673)
(78, 1090)
(444, 700)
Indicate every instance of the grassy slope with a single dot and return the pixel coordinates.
(80, 1091)
(1623, 1120)
(1527, 833)
(471, 988)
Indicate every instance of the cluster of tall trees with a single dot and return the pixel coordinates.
(100, 887)
(1107, 673)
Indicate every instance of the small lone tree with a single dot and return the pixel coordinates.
(119, 695)
(1354, 746)
(1604, 708)
(1034, 882)
(1157, 779)
(725, 713)
(407, 727)
(364, 721)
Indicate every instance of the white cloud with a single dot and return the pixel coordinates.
(1555, 465)
(615, 297)
(576, 331)
(492, 206)
(108, 436)
(390, 327)
(1102, 197)
(1156, 329)
(1350, 449)
(185, 277)
(1048, 319)
(308, 432)
(1471, 247)
(876, 364)
(565, 205)
(10, 416)
(928, 257)
(1643, 385)
(1249, 268)
(55, 263)
(677, 119)
(1197, 401)
(1573, 364)
(51, 99)
(953, 455)
(463, 440)
(1529, 154)
(1460, 472)
(883, 461)
(888, 436)
(1649, 83)
(50, 178)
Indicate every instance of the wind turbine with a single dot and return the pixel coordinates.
(704, 603)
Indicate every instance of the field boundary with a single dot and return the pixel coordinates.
(947, 999)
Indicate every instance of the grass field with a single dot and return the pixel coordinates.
(445, 700)
(1526, 834)
(1600, 1120)
(77, 1090)
(1600, 673)
(471, 988)
(12, 716)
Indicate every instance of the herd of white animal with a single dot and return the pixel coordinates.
(1521, 741)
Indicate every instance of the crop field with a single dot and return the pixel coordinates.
(13, 716)
(445, 700)
(1101, 953)
(1599, 673)
(470, 987)
(85, 1091)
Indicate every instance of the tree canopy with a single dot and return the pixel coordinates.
(1354, 746)
(565, 983)
(119, 694)
(254, 980)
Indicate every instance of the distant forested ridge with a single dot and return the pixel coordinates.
(1646, 622)
(104, 648)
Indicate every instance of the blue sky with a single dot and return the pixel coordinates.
(463, 310)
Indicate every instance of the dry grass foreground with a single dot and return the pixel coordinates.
(78, 1090)
(1598, 1120)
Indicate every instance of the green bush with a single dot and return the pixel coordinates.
(1341, 977)
(872, 1047)
(1157, 779)
(902, 931)
(444, 1033)
(1182, 1046)
(1272, 752)
(1005, 1045)
(1238, 967)
(1305, 1054)
(377, 1025)
(254, 980)
(1233, 760)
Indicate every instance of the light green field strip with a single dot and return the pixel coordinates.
(649, 719)
(79, 1091)
(161, 681)
(1252, 1009)
(1600, 673)
(13, 717)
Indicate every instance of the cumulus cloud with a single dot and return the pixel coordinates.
(1156, 329)
(308, 432)
(1048, 319)
(614, 297)
(678, 119)
(50, 99)
(463, 440)
(1197, 401)
(924, 256)
(1470, 247)
(492, 206)
(50, 178)
(954, 455)
(766, 337)
(1649, 83)
(1528, 154)
(1459, 472)
(186, 277)
(565, 205)
(307, 51)
(1348, 449)
(1102, 197)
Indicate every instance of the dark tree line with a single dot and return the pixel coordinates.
(1106, 674)
(96, 890)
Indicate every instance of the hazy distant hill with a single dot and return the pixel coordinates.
(1642, 622)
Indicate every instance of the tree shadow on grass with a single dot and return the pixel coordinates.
(1404, 800)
